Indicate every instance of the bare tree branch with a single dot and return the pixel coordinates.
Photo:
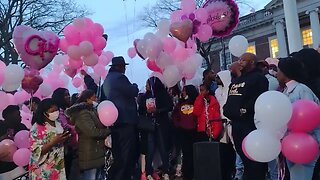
(51, 15)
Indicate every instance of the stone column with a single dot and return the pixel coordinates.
(283, 52)
(292, 25)
(315, 26)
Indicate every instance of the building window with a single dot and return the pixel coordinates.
(228, 57)
(252, 48)
(307, 37)
(274, 47)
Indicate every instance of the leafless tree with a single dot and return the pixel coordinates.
(51, 15)
(162, 10)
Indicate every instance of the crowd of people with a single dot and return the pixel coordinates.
(156, 130)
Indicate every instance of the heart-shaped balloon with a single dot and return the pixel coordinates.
(182, 30)
(71, 72)
(135, 44)
(31, 81)
(36, 48)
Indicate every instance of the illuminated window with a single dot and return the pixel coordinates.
(307, 37)
(251, 48)
(274, 47)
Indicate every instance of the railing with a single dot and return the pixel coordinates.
(254, 18)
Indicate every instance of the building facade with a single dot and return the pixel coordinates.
(267, 32)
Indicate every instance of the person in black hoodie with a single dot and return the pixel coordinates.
(159, 113)
(239, 108)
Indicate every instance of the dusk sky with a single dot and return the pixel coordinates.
(121, 21)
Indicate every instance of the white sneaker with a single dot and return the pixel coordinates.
(149, 177)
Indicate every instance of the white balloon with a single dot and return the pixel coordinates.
(171, 76)
(164, 60)
(59, 59)
(273, 111)
(238, 45)
(13, 74)
(142, 48)
(262, 146)
(164, 27)
(45, 90)
(10, 87)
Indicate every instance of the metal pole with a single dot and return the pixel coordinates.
(224, 54)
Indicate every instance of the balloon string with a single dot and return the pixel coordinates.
(126, 17)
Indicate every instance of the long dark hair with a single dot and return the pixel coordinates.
(85, 95)
(192, 93)
(58, 98)
(43, 107)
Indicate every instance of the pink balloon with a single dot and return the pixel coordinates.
(2, 68)
(88, 21)
(108, 113)
(180, 54)
(151, 64)
(5, 101)
(91, 60)
(100, 70)
(201, 15)
(75, 64)
(74, 52)
(64, 45)
(97, 29)
(98, 52)
(77, 82)
(45, 90)
(21, 157)
(21, 96)
(244, 150)
(108, 54)
(176, 16)
(169, 44)
(204, 33)
(86, 35)
(300, 148)
(104, 60)
(154, 50)
(188, 6)
(71, 34)
(86, 48)
(132, 52)
(9, 146)
(21, 139)
(99, 43)
(305, 116)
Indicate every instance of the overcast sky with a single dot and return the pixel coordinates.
(120, 18)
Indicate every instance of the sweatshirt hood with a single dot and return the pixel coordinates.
(225, 77)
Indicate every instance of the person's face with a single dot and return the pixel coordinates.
(34, 107)
(210, 75)
(15, 117)
(235, 69)
(92, 99)
(245, 62)
(67, 97)
(281, 77)
(121, 68)
(203, 91)
(52, 109)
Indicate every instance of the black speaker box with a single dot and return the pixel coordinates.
(213, 161)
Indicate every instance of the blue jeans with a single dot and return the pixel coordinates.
(239, 167)
(273, 169)
(301, 171)
(93, 174)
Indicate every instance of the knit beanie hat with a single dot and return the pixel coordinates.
(293, 69)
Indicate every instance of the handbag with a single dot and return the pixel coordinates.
(146, 124)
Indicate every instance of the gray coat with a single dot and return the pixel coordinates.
(118, 89)
(91, 134)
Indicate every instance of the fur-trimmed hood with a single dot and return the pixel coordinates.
(77, 108)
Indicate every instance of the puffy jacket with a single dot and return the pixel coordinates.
(91, 134)
(213, 113)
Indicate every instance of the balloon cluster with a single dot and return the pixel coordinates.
(17, 150)
(274, 117)
(84, 44)
(190, 22)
